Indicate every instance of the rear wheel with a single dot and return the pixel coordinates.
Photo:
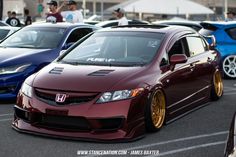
(217, 86)
(156, 111)
(229, 66)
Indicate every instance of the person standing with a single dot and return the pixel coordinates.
(8, 15)
(230, 16)
(28, 20)
(53, 16)
(40, 8)
(13, 21)
(120, 14)
(73, 15)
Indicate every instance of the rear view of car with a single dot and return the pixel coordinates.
(225, 34)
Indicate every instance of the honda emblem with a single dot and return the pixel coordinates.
(60, 98)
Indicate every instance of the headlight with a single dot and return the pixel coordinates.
(119, 95)
(27, 90)
(13, 69)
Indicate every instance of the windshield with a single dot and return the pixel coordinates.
(35, 37)
(116, 49)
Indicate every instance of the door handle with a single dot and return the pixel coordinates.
(209, 59)
(192, 66)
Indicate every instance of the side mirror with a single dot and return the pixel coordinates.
(177, 59)
(62, 52)
(66, 46)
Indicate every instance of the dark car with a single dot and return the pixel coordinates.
(31, 48)
(230, 150)
(112, 23)
(119, 82)
(225, 34)
(192, 24)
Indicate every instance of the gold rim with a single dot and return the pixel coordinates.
(218, 84)
(158, 109)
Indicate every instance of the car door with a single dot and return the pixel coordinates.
(177, 82)
(202, 69)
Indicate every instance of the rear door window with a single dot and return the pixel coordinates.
(231, 32)
(196, 45)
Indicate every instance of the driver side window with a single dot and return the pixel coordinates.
(179, 47)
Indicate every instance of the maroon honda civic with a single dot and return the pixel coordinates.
(118, 83)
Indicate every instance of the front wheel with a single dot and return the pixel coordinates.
(156, 111)
(217, 86)
(229, 66)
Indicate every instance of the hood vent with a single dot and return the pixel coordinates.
(100, 73)
(56, 70)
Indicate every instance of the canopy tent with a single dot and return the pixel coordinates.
(168, 7)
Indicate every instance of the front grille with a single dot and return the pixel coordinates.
(7, 89)
(49, 97)
(65, 122)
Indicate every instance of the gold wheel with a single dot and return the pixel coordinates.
(218, 84)
(158, 109)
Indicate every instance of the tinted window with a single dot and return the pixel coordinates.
(179, 47)
(3, 33)
(195, 45)
(35, 38)
(78, 34)
(231, 32)
(116, 49)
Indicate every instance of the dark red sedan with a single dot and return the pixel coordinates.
(118, 83)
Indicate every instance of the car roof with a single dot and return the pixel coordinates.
(60, 24)
(10, 28)
(104, 23)
(148, 28)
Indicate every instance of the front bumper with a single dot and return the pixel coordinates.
(116, 121)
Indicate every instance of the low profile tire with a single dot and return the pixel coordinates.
(229, 66)
(155, 111)
(217, 86)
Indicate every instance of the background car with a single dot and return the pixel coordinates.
(6, 31)
(119, 82)
(225, 34)
(3, 23)
(111, 23)
(31, 48)
(230, 150)
(192, 24)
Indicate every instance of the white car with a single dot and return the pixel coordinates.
(6, 31)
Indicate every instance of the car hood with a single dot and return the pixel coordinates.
(85, 78)
(7, 54)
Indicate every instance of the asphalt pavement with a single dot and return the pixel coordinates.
(202, 133)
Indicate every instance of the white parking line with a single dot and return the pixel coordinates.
(9, 114)
(226, 89)
(233, 93)
(3, 120)
(179, 140)
(189, 148)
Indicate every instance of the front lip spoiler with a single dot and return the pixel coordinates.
(78, 138)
